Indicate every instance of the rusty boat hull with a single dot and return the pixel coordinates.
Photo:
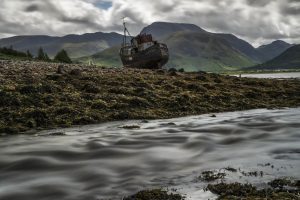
(154, 57)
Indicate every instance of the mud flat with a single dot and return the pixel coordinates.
(36, 95)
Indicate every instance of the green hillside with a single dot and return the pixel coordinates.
(76, 45)
(195, 51)
(290, 59)
(109, 57)
(272, 50)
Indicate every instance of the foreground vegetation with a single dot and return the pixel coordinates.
(36, 95)
(278, 189)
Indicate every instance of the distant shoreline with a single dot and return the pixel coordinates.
(260, 72)
(37, 95)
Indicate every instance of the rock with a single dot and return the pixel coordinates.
(171, 124)
(75, 72)
(57, 134)
(130, 127)
(61, 69)
(160, 71)
(201, 77)
(213, 115)
(173, 73)
(209, 176)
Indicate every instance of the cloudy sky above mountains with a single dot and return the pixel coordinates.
(257, 21)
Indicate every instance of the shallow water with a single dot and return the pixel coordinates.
(274, 75)
(105, 161)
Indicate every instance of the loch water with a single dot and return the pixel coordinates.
(106, 161)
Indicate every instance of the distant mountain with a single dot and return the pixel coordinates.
(161, 30)
(290, 59)
(272, 50)
(191, 47)
(243, 47)
(75, 45)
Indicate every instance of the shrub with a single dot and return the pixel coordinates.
(63, 57)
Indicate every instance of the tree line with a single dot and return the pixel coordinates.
(61, 56)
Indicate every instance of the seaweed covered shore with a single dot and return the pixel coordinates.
(37, 95)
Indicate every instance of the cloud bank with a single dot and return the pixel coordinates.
(258, 21)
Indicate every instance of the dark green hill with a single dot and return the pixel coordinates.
(243, 47)
(273, 50)
(195, 51)
(162, 30)
(290, 59)
(75, 45)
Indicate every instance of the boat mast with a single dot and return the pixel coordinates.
(125, 33)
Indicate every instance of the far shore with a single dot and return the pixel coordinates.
(37, 95)
(261, 72)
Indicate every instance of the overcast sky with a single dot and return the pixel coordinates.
(257, 21)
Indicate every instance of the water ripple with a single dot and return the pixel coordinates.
(107, 162)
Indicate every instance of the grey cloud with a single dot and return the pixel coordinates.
(293, 9)
(258, 3)
(254, 20)
(32, 8)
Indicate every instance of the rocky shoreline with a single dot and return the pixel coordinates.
(38, 95)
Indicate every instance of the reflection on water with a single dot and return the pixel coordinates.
(105, 161)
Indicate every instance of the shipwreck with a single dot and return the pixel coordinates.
(143, 51)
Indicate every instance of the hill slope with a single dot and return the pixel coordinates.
(108, 57)
(273, 50)
(243, 47)
(195, 51)
(162, 30)
(290, 59)
(75, 45)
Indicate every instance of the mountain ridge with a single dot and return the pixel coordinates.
(76, 45)
(274, 49)
(224, 50)
(289, 59)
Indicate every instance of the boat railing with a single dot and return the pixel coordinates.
(163, 46)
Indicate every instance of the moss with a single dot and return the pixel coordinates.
(38, 97)
(230, 169)
(247, 191)
(211, 176)
(232, 189)
(155, 194)
(281, 183)
(99, 104)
